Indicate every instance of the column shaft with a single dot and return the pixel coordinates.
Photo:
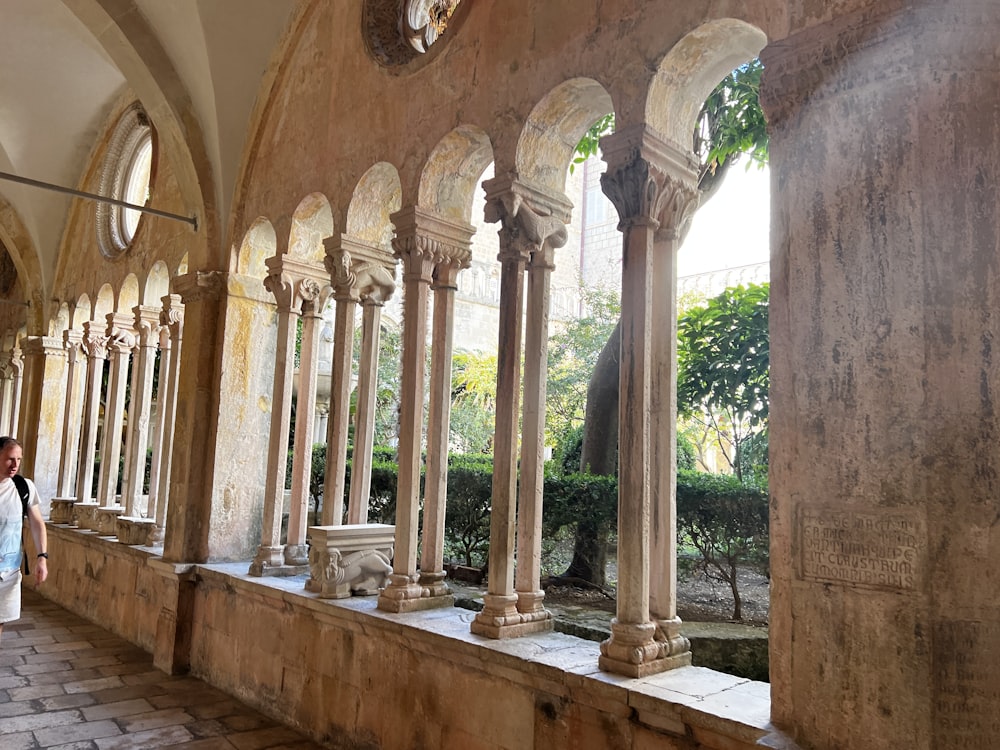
(364, 424)
(340, 412)
(75, 381)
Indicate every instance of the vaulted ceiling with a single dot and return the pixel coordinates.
(65, 63)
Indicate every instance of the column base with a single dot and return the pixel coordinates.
(156, 536)
(61, 510)
(500, 619)
(297, 554)
(403, 594)
(270, 561)
(633, 650)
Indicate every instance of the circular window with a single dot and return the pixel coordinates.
(126, 177)
(398, 32)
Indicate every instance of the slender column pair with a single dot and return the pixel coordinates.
(11, 366)
(653, 185)
(299, 288)
(432, 250)
(532, 227)
(95, 346)
(171, 336)
(360, 273)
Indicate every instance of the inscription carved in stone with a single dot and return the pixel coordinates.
(872, 548)
(966, 685)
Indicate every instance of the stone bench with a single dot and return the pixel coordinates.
(353, 559)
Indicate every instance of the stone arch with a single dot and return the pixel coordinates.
(157, 284)
(105, 303)
(259, 243)
(60, 320)
(377, 195)
(692, 68)
(16, 239)
(554, 127)
(312, 221)
(453, 171)
(80, 314)
(128, 296)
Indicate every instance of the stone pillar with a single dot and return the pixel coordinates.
(338, 263)
(424, 243)
(645, 178)
(527, 581)
(186, 538)
(530, 221)
(364, 416)
(6, 392)
(171, 338)
(16, 368)
(72, 410)
(121, 341)
(95, 345)
(365, 272)
(291, 282)
(147, 323)
(883, 418)
(296, 552)
(44, 388)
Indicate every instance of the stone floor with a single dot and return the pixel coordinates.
(66, 683)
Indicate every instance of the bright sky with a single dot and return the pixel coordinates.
(732, 229)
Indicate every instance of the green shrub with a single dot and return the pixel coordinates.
(727, 522)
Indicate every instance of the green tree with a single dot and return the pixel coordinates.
(723, 370)
(473, 401)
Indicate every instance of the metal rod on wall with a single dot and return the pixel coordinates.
(192, 220)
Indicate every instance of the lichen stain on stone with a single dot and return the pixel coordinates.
(264, 404)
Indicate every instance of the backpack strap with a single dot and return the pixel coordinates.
(25, 492)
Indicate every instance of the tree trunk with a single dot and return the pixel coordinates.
(599, 456)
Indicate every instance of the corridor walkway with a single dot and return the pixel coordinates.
(66, 683)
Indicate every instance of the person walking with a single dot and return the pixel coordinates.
(12, 514)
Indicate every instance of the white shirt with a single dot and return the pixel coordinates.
(11, 522)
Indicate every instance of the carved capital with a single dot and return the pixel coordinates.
(147, 323)
(359, 270)
(200, 286)
(296, 284)
(95, 343)
(425, 241)
(530, 218)
(649, 180)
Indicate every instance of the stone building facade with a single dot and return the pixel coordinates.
(311, 150)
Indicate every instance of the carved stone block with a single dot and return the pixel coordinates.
(106, 520)
(83, 514)
(351, 559)
(134, 530)
(61, 510)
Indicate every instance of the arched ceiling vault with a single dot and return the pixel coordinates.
(196, 66)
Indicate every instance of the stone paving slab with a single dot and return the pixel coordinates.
(66, 684)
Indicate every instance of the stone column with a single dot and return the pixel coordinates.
(44, 388)
(296, 552)
(75, 382)
(423, 242)
(121, 341)
(528, 222)
(171, 338)
(16, 368)
(6, 392)
(639, 182)
(291, 282)
(338, 263)
(527, 580)
(147, 323)
(95, 345)
(883, 409)
(364, 416)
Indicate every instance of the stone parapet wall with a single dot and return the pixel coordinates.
(400, 681)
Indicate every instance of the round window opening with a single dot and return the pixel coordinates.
(126, 176)
(399, 32)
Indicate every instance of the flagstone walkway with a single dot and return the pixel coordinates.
(68, 684)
